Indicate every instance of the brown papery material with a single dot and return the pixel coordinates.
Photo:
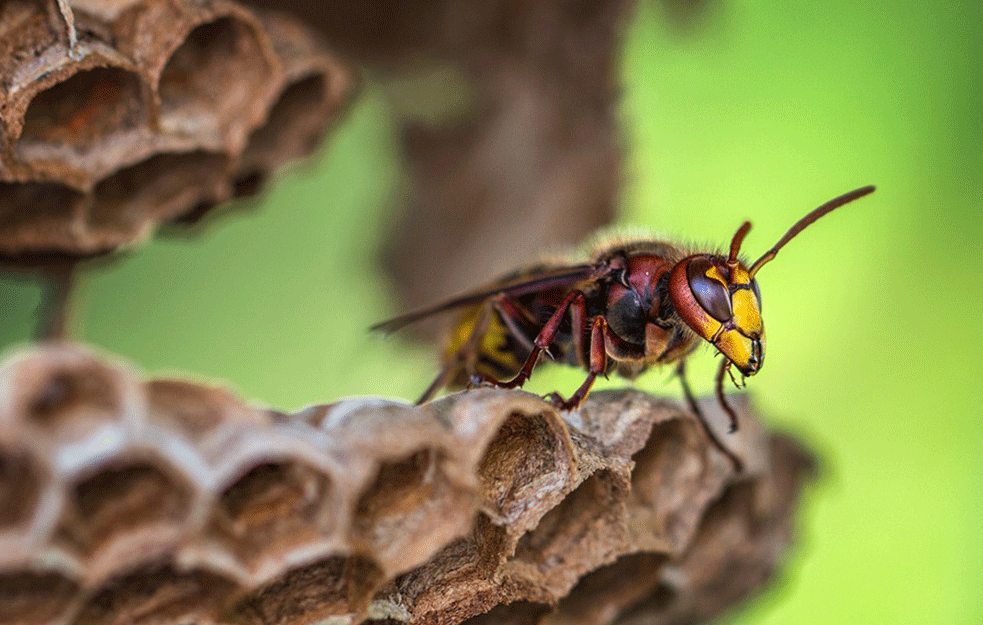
(155, 113)
(173, 502)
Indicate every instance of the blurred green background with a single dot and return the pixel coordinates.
(764, 111)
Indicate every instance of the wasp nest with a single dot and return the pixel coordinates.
(126, 501)
(119, 116)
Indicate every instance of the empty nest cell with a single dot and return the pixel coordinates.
(527, 452)
(123, 511)
(35, 598)
(67, 390)
(409, 511)
(155, 594)
(293, 129)
(658, 606)
(197, 411)
(603, 593)
(336, 586)
(515, 613)
(216, 74)
(719, 569)
(92, 107)
(272, 508)
(38, 216)
(64, 398)
(469, 570)
(130, 202)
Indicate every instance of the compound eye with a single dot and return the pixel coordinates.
(711, 295)
(757, 293)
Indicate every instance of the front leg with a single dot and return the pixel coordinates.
(695, 408)
(725, 368)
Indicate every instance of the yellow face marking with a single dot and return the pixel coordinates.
(714, 273)
(747, 314)
(735, 346)
(709, 327)
(740, 276)
(747, 311)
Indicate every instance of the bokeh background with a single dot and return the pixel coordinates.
(754, 110)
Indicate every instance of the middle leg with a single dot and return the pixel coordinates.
(598, 364)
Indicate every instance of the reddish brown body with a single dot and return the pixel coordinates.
(493, 339)
(631, 306)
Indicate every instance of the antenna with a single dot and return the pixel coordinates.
(735, 244)
(801, 224)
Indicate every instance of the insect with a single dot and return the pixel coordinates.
(631, 306)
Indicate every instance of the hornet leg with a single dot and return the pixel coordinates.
(693, 406)
(725, 368)
(598, 365)
(545, 338)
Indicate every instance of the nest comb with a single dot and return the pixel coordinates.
(116, 117)
(166, 501)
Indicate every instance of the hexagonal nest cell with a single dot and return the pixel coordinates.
(213, 78)
(63, 398)
(486, 503)
(272, 509)
(602, 594)
(33, 597)
(125, 511)
(169, 183)
(408, 509)
(51, 224)
(564, 545)
(338, 586)
(203, 414)
(162, 111)
(294, 127)
(527, 452)
(671, 485)
(68, 120)
(515, 613)
(158, 594)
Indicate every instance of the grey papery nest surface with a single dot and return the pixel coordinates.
(162, 501)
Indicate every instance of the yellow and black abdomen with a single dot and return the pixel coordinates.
(481, 344)
(493, 337)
